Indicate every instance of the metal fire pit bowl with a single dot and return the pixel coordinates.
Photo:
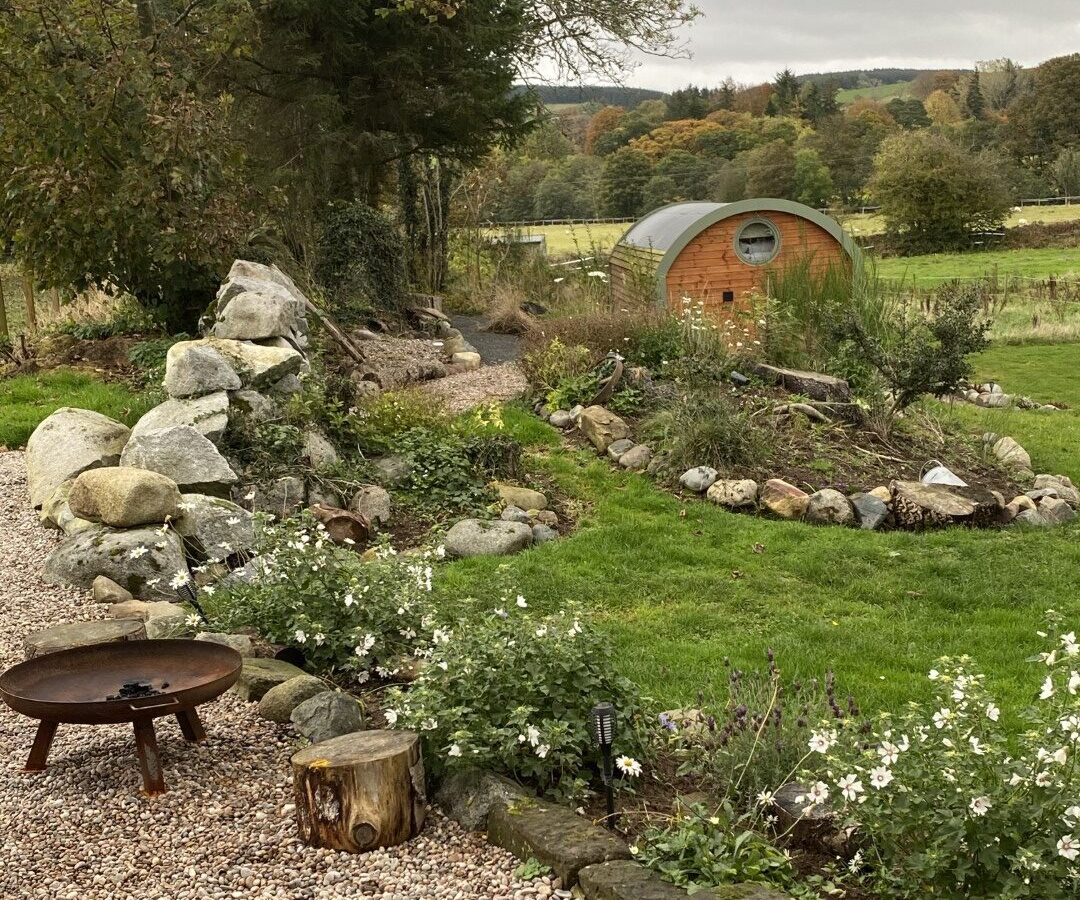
(75, 686)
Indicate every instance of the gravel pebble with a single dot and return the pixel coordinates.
(483, 385)
(225, 829)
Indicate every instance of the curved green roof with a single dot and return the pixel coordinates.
(669, 229)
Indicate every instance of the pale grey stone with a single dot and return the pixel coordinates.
(67, 442)
(184, 455)
(192, 370)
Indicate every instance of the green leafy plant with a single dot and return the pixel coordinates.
(383, 419)
(530, 869)
(149, 358)
(953, 805)
(512, 692)
(444, 477)
(347, 616)
(554, 361)
(126, 318)
(702, 848)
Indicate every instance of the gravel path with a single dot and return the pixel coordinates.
(225, 829)
(493, 347)
(488, 383)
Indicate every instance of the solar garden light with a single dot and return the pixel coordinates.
(187, 593)
(603, 730)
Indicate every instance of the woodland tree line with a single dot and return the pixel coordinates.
(986, 137)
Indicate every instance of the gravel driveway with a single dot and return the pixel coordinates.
(81, 830)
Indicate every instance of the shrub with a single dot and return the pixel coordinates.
(380, 421)
(347, 616)
(444, 478)
(513, 692)
(149, 358)
(706, 427)
(552, 361)
(361, 262)
(917, 354)
(953, 805)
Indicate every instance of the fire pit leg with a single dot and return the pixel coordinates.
(42, 742)
(149, 760)
(190, 726)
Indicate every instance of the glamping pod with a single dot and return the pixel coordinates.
(716, 253)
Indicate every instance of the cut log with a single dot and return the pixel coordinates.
(360, 791)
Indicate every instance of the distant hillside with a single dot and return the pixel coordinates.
(865, 78)
(883, 92)
(564, 95)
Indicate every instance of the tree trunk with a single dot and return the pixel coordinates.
(31, 309)
(360, 791)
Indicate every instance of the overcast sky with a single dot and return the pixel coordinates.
(751, 40)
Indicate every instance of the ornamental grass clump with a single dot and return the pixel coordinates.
(349, 617)
(951, 804)
(512, 692)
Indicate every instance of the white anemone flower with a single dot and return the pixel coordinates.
(980, 806)
(992, 712)
(1074, 682)
(850, 787)
(391, 716)
(1047, 689)
(880, 777)
(1068, 847)
(455, 750)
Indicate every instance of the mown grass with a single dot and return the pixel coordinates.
(27, 399)
(882, 92)
(681, 584)
(928, 270)
(865, 224)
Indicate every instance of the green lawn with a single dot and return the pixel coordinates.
(27, 399)
(679, 584)
(930, 269)
(863, 224)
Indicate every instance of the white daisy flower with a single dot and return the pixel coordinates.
(628, 766)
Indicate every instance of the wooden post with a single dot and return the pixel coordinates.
(360, 791)
(5, 334)
(28, 297)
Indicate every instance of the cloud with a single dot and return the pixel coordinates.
(751, 40)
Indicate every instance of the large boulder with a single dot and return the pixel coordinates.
(69, 442)
(602, 427)
(249, 316)
(829, 507)
(280, 498)
(327, 715)
(1056, 511)
(917, 505)
(184, 455)
(373, 503)
(1011, 453)
(521, 497)
(812, 384)
(140, 560)
(208, 415)
(193, 370)
(1062, 484)
(257, 676)
(699, 479)
(871, 511)
(214, 528)
(737, 494)
(636, 459)
(124, 497)
(784, 500)
(479, 537)
(278, 703)
(257, 366)
(469, 795)
(318, 450)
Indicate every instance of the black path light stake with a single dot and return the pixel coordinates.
(603, 729)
